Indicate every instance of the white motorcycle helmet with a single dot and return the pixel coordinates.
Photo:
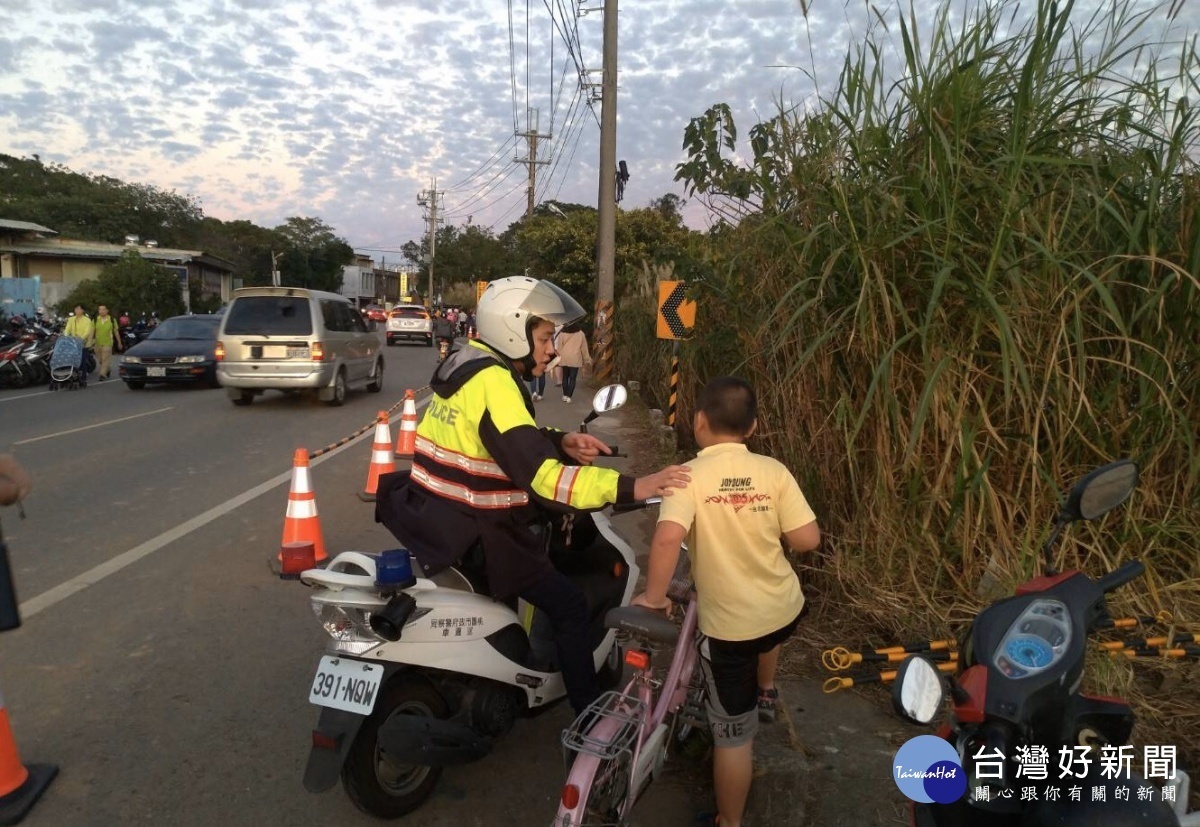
(508, 304)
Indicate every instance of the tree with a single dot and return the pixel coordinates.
(244, 244)
(464, 255)
(95, 207)
(313, 255)
(131, 284)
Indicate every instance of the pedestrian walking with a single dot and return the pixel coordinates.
(80, 326)
(573, 354)
(108, 338)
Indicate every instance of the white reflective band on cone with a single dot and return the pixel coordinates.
(301, 484)
(301, 509)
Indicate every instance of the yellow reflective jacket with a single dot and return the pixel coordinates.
(483, 472)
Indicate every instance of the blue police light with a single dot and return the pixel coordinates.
(393, 570)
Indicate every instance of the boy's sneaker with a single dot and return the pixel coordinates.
(767, 699)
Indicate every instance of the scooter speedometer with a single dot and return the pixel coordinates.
(1029, 652)
(1036, 640)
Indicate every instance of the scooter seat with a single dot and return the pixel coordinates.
(642, 623)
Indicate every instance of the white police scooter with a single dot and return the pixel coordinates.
(421, 674)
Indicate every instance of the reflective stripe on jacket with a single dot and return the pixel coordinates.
(481, 447)
(484, 475)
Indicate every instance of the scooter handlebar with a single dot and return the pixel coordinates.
(625, 508)
(1119, 577)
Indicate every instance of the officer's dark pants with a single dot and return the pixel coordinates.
(564, 603)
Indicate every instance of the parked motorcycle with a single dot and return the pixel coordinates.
(25, 360)
(1020, 694)
(422, 674)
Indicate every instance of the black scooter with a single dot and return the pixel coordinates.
(1018, 698)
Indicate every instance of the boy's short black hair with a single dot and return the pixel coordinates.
(730, 406)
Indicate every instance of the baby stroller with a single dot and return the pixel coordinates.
(66, 364)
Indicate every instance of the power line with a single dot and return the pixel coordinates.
(468, 206)
(484, 166)
(570, 158)
(512, 63)
(572, 122)
(492, 203)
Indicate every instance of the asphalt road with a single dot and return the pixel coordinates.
(161, 665)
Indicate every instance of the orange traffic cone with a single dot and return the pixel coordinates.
(381, 458)
(407, 443)
(301, 523)
(20, 786)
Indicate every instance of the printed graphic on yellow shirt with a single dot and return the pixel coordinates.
(738, 492)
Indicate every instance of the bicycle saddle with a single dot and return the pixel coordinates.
(642, 623)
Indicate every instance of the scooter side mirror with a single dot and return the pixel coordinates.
(1101, 491)
(918, 693)
(609, 398)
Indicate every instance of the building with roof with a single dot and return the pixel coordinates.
(31, 251)
(364, 283)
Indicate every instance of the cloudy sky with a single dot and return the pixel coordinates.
(348, 109)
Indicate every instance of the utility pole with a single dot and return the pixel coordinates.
(607, 206)
(531, 137)
(429, 199)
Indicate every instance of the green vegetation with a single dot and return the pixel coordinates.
(960, 291)
(557, 245)
(100, 208)
(131, 284)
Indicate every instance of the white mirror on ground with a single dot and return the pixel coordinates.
(918, 692)
(609, 398)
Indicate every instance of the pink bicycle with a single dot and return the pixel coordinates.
(618, 745)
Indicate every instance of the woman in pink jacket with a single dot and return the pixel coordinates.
(573, 354)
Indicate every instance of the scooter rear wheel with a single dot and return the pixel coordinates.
(381, 784)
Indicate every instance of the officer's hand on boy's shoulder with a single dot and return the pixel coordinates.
(661, 483)
(15, 483)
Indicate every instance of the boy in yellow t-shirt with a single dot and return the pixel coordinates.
(733, 514)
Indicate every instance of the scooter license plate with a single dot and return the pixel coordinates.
(349, 685)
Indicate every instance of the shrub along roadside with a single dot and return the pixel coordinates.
(958, 294)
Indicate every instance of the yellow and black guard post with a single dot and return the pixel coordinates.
(676, 319)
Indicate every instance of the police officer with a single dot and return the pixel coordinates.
(483, 472)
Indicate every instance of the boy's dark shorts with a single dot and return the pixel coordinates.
(730, 670)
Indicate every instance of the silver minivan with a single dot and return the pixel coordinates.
(292, 338)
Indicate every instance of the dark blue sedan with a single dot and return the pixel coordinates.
(178, 350)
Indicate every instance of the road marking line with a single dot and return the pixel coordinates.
(89, 427)
(91, 577)
(97, 384)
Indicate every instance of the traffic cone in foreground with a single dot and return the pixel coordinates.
(301, 523)
(407, 443)
(20, 786)
(381, 458)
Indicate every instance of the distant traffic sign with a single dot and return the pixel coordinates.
(676, 317)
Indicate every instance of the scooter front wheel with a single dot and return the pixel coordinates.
(385, 785)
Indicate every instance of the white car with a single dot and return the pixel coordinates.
(410, 321)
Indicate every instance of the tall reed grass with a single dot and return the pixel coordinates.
(959, 291)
